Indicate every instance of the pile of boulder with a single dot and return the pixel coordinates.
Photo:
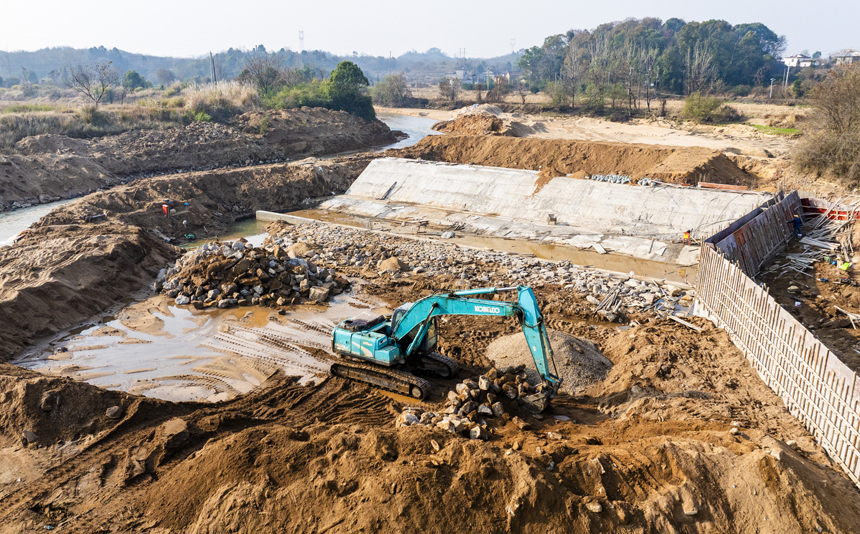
(471, 401)
(359, 251)
(223, 275)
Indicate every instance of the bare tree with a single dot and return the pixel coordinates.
(92, 81)
(832, 133)
(700, 68)
(521, 90)
(449, 88)
(265, 72)
(164, 76)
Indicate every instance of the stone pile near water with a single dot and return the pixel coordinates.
(223, 275)
(471, 401)
(362, 252)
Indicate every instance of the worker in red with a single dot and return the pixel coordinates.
(166, 210)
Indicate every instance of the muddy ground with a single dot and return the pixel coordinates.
(57, 276)
(47, 167)
(680, 437)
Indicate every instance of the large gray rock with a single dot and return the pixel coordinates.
(318, 294)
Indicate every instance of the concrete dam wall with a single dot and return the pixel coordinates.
(520, 195)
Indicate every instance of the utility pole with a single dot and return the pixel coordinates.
(212, 65)
(771, 87)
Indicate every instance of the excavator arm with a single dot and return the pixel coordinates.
(525, 309)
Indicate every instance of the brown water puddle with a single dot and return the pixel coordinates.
(157, 349)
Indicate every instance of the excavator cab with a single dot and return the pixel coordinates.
(428, 343)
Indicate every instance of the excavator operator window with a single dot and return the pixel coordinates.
(429, 344)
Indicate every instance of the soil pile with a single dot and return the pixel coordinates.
(560, 157)
(578, 361)
(56, 277)
(474, 124)
(238, 274)
(205, 203)
(47, 167)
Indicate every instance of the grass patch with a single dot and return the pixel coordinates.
(775, 131)
(27, 108)
(87, 122)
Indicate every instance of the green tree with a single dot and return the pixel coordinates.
(393, 90)
(132, 80)
(346, 88)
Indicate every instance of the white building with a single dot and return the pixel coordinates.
(795, 61)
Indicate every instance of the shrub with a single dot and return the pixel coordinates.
(701, 108)
(221, 100)
(392, 91)
(832, 133)
(313, 94)
(741, 90)
(24, 108)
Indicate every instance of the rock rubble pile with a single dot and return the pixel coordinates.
(364, 252)
(223, 275)
(470, 402)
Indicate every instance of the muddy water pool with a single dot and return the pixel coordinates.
(156, 349)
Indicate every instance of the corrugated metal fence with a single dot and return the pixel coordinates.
(754, 242)
(817, 388)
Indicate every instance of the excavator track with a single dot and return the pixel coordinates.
(390, 379)
(439, 364)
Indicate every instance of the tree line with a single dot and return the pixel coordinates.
(629, 62)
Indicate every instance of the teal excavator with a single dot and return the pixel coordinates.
(385, 351)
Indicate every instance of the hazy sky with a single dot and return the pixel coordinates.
(484, 28)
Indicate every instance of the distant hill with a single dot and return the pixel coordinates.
(419, 67)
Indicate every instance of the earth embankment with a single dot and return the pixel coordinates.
(214, 198)
(57, 276)
(48, 167)
(559, 157)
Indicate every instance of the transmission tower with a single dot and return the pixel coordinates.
(301, 41)
(513, 44)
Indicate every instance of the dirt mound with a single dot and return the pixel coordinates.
(567, 157)
(473, 124)
(477, 109)
(314, 131)
(55, 277)
(206, 202)
(578, 362)
(53, 166)
(41, 411)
